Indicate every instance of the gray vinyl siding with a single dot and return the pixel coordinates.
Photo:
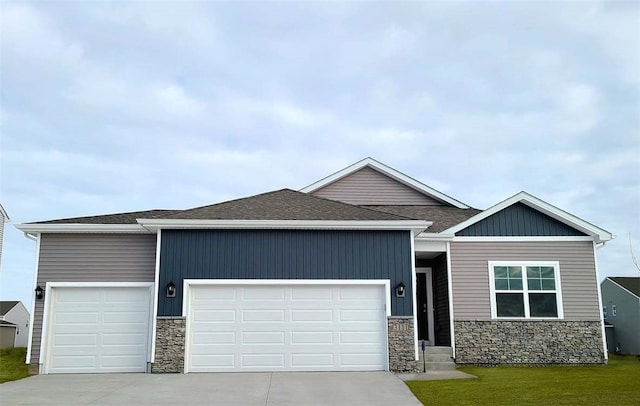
(470, 275)
(626, 323)
(369, 187)
(519, 220)
(284, 254)
(91, 258)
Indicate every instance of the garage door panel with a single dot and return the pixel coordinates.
(261, 294)
(110, 335)
(287, 328)
(214, 315)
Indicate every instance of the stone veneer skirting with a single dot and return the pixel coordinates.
(401, 344)
(528, 342)
(170, 339)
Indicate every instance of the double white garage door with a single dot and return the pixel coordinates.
(230, 327)
(286, 328)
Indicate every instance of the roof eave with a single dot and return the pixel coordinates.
(416, 225)
(82, 228)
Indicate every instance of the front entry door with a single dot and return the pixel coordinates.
(424, 292)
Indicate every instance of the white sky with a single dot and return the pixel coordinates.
(114, 106)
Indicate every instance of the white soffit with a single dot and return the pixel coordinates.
(388, 171)
(562, 216)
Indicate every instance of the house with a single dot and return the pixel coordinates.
(351, 273)
(621, 308)
(14, 324)
(4, 218)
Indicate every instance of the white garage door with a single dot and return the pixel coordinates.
(98, 330)
(286, 328)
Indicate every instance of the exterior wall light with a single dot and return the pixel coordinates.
(171, 289)
(39, 292)
(400, 290)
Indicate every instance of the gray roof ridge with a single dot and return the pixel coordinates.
(336, 202)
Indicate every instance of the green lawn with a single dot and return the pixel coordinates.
(12, 366)
(617, 383)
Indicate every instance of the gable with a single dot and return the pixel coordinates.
(367, 186)
(519, 220)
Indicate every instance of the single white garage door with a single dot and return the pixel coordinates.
(286, 328)
(98, 330)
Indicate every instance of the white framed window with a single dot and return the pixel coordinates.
(525, 290)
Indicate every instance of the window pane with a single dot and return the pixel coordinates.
(515, 284)
(546, 272)
(510, 304)
(515, 272)
(543, 305)
(500, 271)
(534, 284)
(548, 284)
(533, 272)
(502, 284)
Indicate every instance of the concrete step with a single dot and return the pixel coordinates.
(438, 366)
(436, 357)
(437, 350)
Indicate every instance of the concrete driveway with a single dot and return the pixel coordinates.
(246, 389)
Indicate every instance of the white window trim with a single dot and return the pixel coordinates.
(525, 290)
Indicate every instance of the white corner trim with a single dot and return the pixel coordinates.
(82, 228)
(600, 304)
(541, 206)
(419, 225)
(415, 297)
(33, 301)
(450, 292)
(154, 314)
(388, 171)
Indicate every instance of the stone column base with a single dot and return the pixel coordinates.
(402, 355)
(170, 339)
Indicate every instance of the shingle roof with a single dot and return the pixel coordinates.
(7, 305)
(442, 217)
(285, 204)
(630, 283)
(116, 218)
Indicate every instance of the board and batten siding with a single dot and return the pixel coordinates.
(91, 258)
(284, 254)
(519, 220)
(370, 187)
(470, 275)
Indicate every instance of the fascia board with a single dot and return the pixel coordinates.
(543, 207)
(287, 224)
(81, 228)
(386, 170)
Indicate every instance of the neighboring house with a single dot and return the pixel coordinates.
(621, 308)
(351, 273)
(4, 218)
(14, 324)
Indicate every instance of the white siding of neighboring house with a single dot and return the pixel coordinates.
(19, 316)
